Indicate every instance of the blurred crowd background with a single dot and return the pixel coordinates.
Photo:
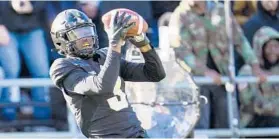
(197, 35)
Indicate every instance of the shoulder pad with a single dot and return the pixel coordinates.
(102, 54)
(60, 69)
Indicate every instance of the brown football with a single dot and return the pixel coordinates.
(141, 25)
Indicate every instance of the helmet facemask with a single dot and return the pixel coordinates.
(81, 41)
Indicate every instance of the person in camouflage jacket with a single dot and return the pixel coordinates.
(198, 36)
(260, 102)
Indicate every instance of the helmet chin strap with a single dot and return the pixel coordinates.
(84, 53)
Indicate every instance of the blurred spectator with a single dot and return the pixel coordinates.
(267, 15)
(21, 25)
(162, 11)
(52, 9)
(198, 35)
(1, 77)
(243, 10)
(4, 36)
(259, 102)
(161, 14)
(55, 7)
(91, 9)
(161, 7)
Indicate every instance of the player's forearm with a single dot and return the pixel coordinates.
(110, 70)
(116, 46)
(116, 49)
(153, 67)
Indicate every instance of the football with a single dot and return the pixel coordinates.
(140, 26)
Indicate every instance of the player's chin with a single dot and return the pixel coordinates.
(86, 52)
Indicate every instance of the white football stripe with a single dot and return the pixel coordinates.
(140, 29)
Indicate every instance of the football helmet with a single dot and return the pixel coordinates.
(68, 31)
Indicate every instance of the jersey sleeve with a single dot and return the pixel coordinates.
(59, 70)
(73, 79)
(150, 71)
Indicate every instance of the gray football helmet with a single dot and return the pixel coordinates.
(68, 27)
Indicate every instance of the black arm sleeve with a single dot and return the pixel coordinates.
(150, 71)
(81, 82)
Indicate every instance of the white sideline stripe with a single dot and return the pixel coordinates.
(248, 132)
(34, 82)
(26, 82)
(140, 29)
(41, 135)
(197, 133)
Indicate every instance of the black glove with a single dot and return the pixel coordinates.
(140, 40)
(118, 29)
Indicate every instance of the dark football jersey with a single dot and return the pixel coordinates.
(94, 91)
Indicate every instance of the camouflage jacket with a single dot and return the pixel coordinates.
(193, 36)
(260, 99)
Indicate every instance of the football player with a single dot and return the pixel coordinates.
(92, 79)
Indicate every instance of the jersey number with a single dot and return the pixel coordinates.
(119, 101)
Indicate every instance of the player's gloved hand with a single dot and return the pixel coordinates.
(140, 40)
(119, 27)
